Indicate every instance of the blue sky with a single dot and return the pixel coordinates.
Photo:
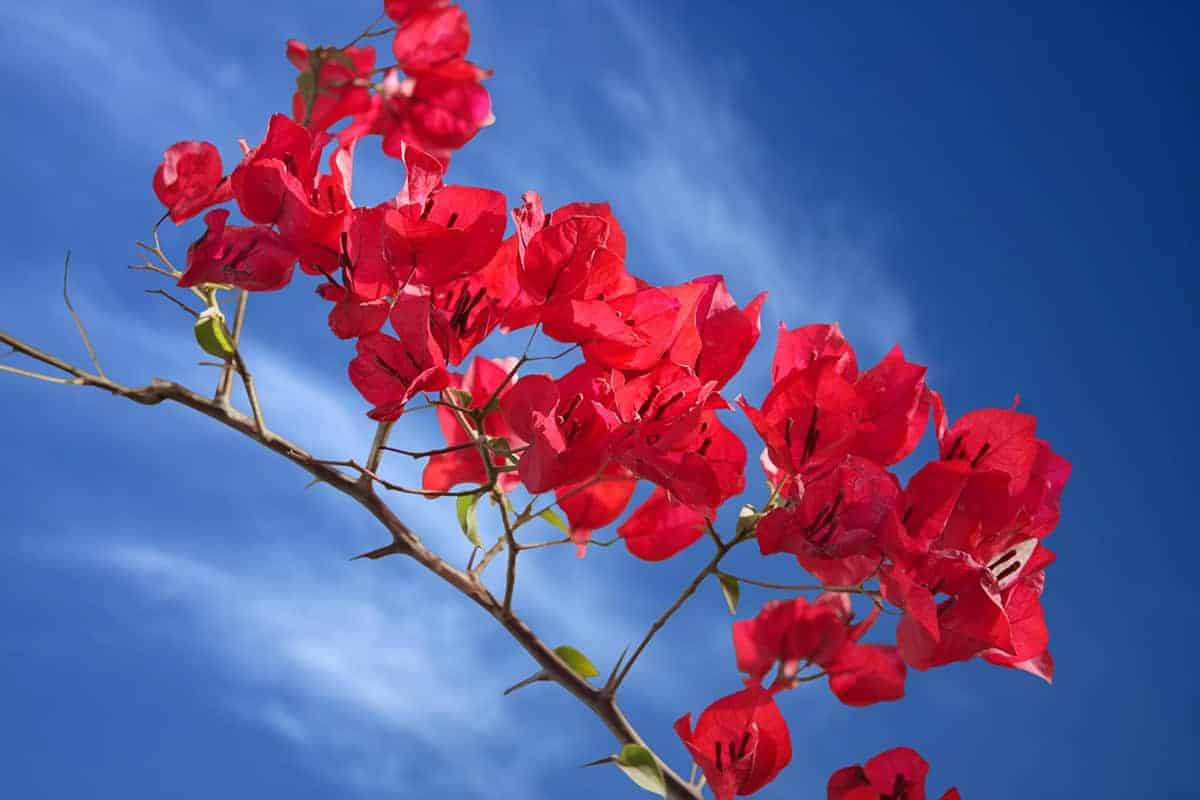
(1008, 193)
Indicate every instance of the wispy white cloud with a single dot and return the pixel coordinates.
(361, 671)
(662, 133)
(147, 76)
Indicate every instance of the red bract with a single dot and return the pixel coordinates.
(189, 180)
(821, 409)
(437, 113)
(809, 419)
(740, 742)
(895, 408)
(251, 258)
(333, 83)
(481, 382)
(593, 504)
(896, 774)
(568, 431)
(791, 633)
(795, 634)
(808, 344)
(430, 38)
(388, 372)
(833, 529)
(452, 234)
(659, 528)
(725, 333)
(990, 439)
(276, 183)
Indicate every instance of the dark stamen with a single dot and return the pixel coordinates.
(982, 452)
(717, 748)
(1009, 570)
(1002, 558)
(645, 406)
(453, 219)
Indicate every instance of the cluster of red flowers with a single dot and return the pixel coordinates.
(420, 280)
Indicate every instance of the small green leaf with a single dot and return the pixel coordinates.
(212, 336)
(577, 661)
(466, 518)
(731, 589)
(553, 517)
(498, 444)
(639, 764)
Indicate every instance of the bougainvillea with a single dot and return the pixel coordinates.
(636, 400)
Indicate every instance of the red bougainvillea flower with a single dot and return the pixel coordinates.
(336, 81)
(720, 334)
(809, 419)
(251, 258)
(437, 113)
(568, 429)
(482, 381)
(795, 634)
(895, 408)
(833, 528)
(431, 37)
(791, 633)
(896, 774)
(189, 180)
(740, 742)
(798, 349)
(276, 183)
(990, 439)
(595, 503)
(388, 372)
(820, 408)
(660, 527)
(455, 232)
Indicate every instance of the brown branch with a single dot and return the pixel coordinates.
(404, 541)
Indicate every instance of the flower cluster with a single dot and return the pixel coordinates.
(419, 281)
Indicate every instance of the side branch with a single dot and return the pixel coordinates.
(404, 540)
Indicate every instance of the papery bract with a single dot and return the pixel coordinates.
(740, 742)
(659, 528)
(896, 774)
(189, 180)
(251, 258)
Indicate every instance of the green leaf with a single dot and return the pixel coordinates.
(640, 765)
(731, 589)
(466, 518)
(212, 336)
(577, 661)
(553, 517)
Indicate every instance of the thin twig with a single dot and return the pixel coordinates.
(83, 334)
(435, 452)
(174, 300)
(803, 587)
(225, 384)
(39, 376)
